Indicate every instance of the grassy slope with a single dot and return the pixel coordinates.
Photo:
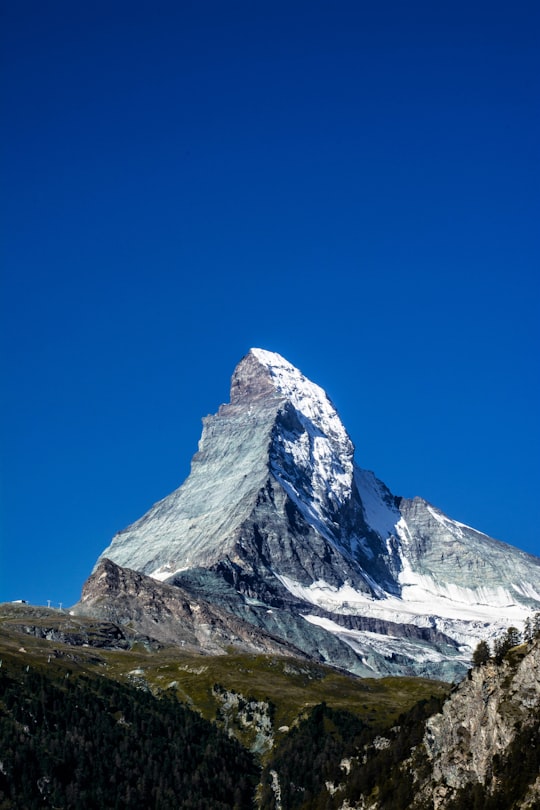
(292, 686)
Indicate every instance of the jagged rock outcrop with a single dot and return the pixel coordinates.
(277, 525)
(479, 749)
(103, 635)
(469, 742)
(170, 615)
(248, 719)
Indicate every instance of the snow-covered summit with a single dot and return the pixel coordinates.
(308, 398)
(312, 453)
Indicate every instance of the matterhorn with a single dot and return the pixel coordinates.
(279, 541)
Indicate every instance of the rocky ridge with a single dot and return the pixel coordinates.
(169, 614)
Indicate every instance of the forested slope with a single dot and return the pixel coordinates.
(88, 742)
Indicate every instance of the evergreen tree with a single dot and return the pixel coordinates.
(511, 639)
(91, 744)
(513, 636)
(482, 654)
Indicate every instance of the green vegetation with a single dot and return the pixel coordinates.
(482, 654)
(386, 772)
(292, 686)
(93, 718)
(310, 756)
(92, 743)
(101, 722)
(310, 764)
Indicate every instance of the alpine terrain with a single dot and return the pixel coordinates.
(278, 541)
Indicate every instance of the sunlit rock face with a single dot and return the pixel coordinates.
(276, 507)
(476, 727)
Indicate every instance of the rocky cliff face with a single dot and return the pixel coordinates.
(315, 550)
(478, 750)
(470, 743)
(171, 615)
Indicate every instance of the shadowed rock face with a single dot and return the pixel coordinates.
(276, 508)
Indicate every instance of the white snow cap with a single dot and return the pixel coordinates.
(323, 452)
(307, 397)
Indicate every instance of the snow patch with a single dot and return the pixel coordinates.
(165, 572)
(527, 590)
(313, 461)
(380, 512)
(365, 642)
(466, 615)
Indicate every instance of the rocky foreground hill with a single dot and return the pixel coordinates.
(485, 744)
(480, 752)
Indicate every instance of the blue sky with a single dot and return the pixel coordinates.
(354, 185)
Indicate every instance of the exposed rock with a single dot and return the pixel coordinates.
(478, 723)
(106, 635)
(248, 719)
(170, 614)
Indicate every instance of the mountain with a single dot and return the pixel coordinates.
(277, 526)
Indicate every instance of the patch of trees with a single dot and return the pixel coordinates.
(92, 744)
(383, 772)
(532, 628)
(482, 654)
(311, 756)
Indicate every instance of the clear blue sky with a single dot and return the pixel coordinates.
(354, 185)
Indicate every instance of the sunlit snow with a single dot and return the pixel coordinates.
(464, 614)
(321, 452)
(363, 642)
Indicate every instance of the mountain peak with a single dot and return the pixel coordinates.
(278, 524)
(252, 378)
(286, 379)
(264, 374)
(270, 359)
